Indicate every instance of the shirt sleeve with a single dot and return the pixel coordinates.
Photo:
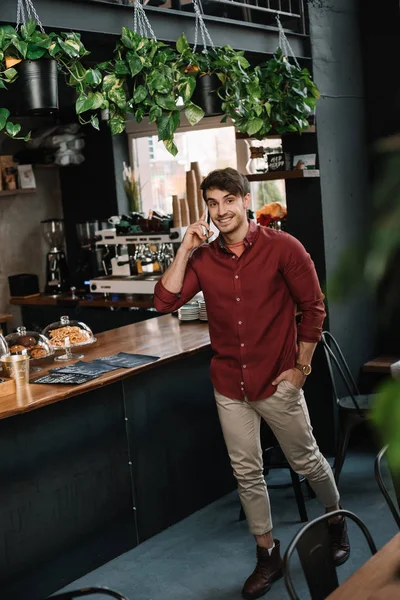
(166, 301)
(301, 278)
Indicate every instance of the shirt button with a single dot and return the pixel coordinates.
(251, 243)
(240, 322)
(233, 257)
(238, 299)
(242, 389)
(242, 345)
(242, 383)
(236, 276)
(244, 366)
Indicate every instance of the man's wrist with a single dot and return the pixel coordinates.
(305, 368)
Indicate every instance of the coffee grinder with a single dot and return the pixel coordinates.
(91, 257)
(56, 264)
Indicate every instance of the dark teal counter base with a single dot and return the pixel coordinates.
(72, 501)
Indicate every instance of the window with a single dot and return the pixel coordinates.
(160, 175)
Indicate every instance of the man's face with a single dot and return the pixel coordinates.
(228, 211)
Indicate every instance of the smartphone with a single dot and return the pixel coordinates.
(208, 220)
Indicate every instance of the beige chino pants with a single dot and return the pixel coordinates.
(287, 415)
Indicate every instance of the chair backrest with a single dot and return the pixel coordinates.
(396, 484)
(313, 546)
(90, 591)
(337, 365)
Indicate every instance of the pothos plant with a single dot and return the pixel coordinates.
(274, 95)
(230, 66)
(29, 43)
(143, 79)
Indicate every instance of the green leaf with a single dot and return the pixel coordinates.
(35, 52)
(10, 74)
(2, 36)
(13, 129)
(109, 82)
(253, 89)
(160, 83)
(155, 113)
(182, 44)
(21, 46)
(117, 95)
(187, 88)
(90, 102)
(194, 113)
(171, 147)
(2, 85)
(4, 114)
(128, 38)
(54, 49)
(139, 94)
(28, 28)
(117, 126)
(268, 108)
(80, 104)
(71, 48)
(134, 63)
(244, 63)
(139, 114)
(166, 102)
(28, 137)
(95, 122)
(253, 126)
(9, 31)
(121, 68)
(92, 77)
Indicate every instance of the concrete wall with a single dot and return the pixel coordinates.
(342, 147)
(22, 246)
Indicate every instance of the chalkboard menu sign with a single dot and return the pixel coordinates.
(63, 378)
(127, 361)
(94, 367)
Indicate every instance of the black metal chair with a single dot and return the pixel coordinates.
(313, 546)
(353, 408)
(90, 591)
(275, 459)
(396, 484)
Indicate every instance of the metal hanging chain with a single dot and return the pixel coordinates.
(22, 18)
(283, 43)
(141, 24)
(201, 26)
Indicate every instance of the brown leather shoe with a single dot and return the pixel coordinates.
(268, 570)
(339, 541)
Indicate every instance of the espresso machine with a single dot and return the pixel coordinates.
(56, 264)
(90, 263)
(136, 261)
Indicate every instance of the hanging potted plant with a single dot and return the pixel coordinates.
(143, 79)
(31, 60)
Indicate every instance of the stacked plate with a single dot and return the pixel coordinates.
(203, 311)
(189, 312)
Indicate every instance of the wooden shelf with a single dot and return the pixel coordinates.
(17, 192)
(274, 134)
(295, 174)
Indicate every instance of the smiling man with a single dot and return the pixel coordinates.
(253, 278)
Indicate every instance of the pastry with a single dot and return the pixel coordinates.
(18, 349)
(38, 352)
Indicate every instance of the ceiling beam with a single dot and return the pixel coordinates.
(106, 18)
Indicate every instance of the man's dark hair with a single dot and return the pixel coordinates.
(226, 179)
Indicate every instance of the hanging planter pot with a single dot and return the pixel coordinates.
(205, 95)
(37, 87)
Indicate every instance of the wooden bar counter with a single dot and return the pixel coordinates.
(89, 471)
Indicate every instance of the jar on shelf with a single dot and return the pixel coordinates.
(256, 163)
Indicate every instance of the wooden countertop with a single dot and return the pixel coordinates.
(95, 300)
(164, 336)
(381, 364)
(377, 579)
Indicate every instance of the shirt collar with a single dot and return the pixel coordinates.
(251, 236)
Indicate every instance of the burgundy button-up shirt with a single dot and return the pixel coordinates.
(251, 304)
